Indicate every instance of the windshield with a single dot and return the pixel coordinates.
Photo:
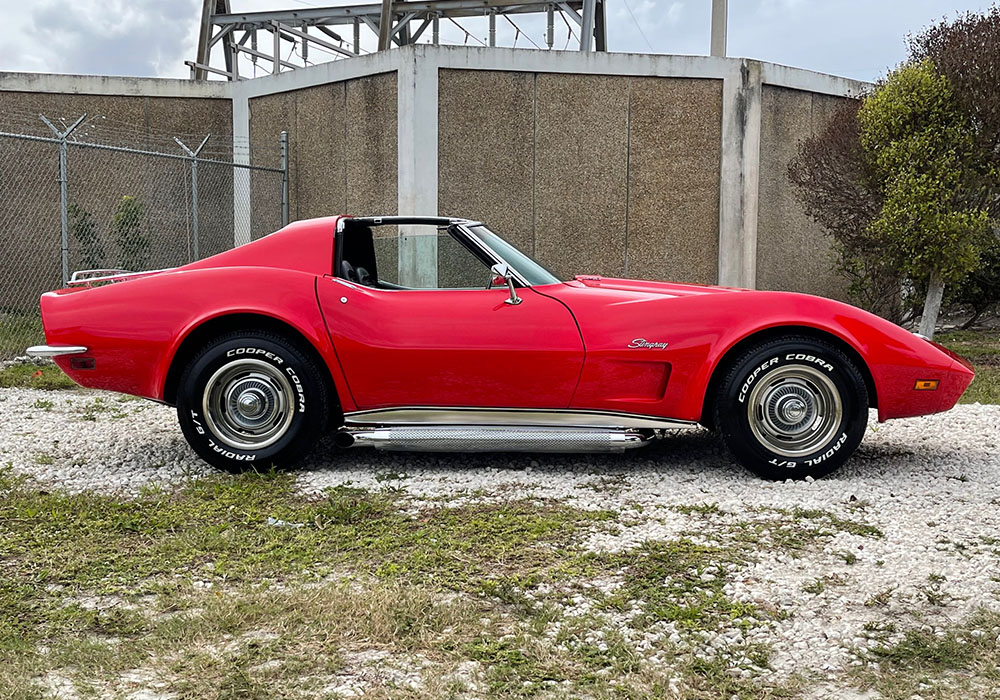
(534, 273)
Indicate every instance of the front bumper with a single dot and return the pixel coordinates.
(54, 350)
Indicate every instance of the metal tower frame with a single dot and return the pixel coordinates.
(394, 22)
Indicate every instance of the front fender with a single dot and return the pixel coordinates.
(895, 358)
(698, 329)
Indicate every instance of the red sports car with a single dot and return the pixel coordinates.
(432, 333)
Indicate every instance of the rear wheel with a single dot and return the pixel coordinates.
(252, 399)
(792, 408)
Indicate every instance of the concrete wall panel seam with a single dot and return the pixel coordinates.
(534, 163)
(417, 163)
(241, 154)
(628, 167)
(739, 182)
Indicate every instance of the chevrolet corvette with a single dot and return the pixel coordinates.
(434, 333)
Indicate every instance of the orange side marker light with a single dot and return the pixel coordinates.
(926, 385)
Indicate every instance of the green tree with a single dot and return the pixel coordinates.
(979, 292)
(85, 230)
(837, 185)
(921, 146)
(861, 200)
(127, 228)
(966, 51)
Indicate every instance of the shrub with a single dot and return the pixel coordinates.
(127, 228)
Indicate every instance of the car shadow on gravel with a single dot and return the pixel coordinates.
(680, 455)
(684, 452)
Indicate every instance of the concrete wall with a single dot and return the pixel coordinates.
(591, 174)
(342, 145)
(486, 147)
(648, 166)
(793, 252)
(674, 170)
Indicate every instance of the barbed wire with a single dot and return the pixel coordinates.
(100, 129)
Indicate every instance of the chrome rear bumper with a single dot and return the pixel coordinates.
(54, 350)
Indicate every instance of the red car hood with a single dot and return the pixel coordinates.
(673, 289)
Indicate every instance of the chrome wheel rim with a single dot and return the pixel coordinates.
(248, 404)
(794, 411)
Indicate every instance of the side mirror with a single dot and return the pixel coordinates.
(502, 274)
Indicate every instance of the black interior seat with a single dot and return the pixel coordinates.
(348, 272)
(359, 256)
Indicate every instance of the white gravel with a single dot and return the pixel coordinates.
(931, 485)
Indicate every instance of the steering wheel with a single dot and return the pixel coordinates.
(348, 272)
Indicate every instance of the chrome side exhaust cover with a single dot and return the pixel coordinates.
(444, 438)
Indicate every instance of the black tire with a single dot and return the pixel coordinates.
(252, 400)
(792, 408)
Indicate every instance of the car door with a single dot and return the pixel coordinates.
(452, 346)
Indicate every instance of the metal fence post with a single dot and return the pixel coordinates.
(284, 179)
(64, 190)
(194, 192)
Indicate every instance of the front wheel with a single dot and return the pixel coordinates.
(792, 408)
(252, 399)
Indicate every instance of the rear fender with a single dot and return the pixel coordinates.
(134, 330)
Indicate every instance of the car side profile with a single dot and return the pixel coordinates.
(434, 333)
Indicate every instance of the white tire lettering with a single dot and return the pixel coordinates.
(229, 454)
(829, 453)
(298, 388)
(753, 376)
(783, 463)
(197, 424)
(236, 352)
(802, 357)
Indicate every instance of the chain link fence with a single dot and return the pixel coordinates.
(86, 195)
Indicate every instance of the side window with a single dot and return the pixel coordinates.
(377, 249)
(386, 239)
(457, 267)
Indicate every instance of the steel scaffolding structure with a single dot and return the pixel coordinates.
(393, 22)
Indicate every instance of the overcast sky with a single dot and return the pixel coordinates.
(855, 38)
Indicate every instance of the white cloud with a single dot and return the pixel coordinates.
(675, 13)
(857, 38)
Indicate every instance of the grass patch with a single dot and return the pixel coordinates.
(705, 509)
(79, 570)
(581, 664)
(101, 405)
(679, 581)
(251, 642)
(836, 522)
(978, 346)
(817, 586)
(18, 331)
(218, 529)
(982, 349)
(795, 530)
(956, 664)
(198, 593)
(29, 376)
